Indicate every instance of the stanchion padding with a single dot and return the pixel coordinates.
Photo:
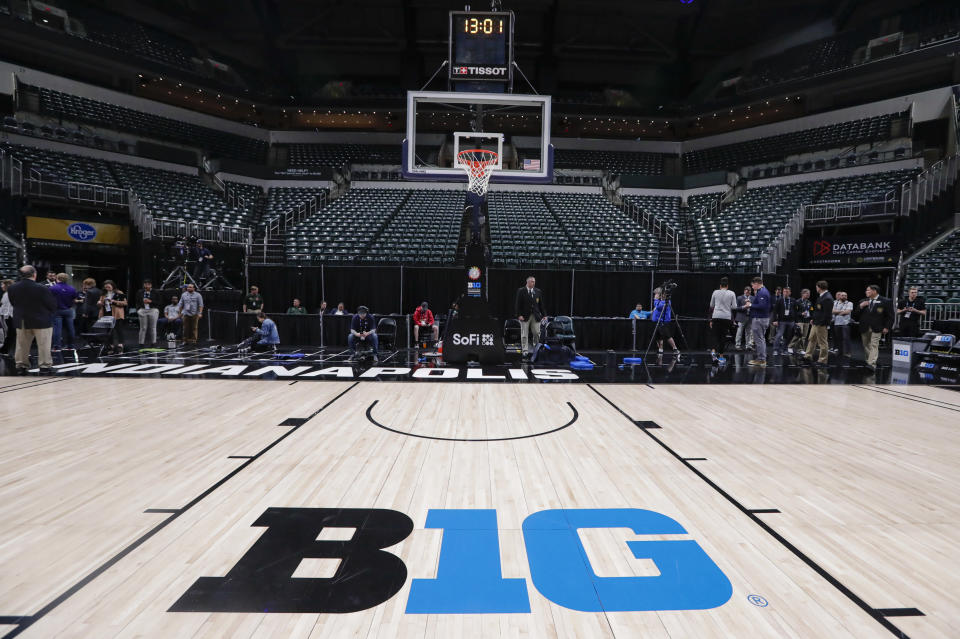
(633, 360)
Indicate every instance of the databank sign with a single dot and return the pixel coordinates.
(867, 250)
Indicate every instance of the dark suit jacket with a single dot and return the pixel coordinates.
(527, 305)
(879, 318)
(822, 311)
(33, 304)
(780, 310)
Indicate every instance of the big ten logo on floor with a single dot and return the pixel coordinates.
(269, 577)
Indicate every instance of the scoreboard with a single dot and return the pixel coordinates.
(481, 46)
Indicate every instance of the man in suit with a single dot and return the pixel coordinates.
(33, 309)
(876, 319)
(784, 319)
(529, 310)
(821, 315)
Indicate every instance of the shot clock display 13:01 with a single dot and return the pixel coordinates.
(481, 45)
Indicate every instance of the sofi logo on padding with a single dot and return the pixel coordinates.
(469, 578)
(473, 339)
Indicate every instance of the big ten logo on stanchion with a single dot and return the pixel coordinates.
(349, 542)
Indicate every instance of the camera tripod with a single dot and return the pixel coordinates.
(178, 278)
(668, 308)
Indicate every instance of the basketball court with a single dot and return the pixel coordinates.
(200, 508)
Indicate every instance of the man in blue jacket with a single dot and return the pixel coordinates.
(269, 337)
(759, 308)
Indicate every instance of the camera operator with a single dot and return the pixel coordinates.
(744, 338)
(804, 306)
(663, 314)
(204, 261)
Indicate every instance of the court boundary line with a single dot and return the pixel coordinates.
(32, 384)
(876, 613)
(29, 620)
(576, 416)
(936, 403)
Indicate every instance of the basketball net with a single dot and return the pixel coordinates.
(476, 164)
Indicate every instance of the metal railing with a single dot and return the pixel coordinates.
(711, 208)
(927, 185)
(294, 215)
(82, 192)
(661, 230)
(11, 173)
(775, 253)
(937, 312)
(164, 228)
(851, 209)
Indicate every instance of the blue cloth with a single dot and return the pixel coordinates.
(762, 304)
(661, 308)
(268, 332)
(65, 295)
(635, 314)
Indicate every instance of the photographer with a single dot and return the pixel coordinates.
(267, 332)
(148, 310)
(113, 303)
(663, 314)
(911, 310)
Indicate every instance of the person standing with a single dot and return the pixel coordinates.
(803, 311)
(722, 303)
(662, 317)
(759, 308)
(6, 318)
(204, 260)
(89, 310)
(784, 320)
(51, 278)
(66, 297)
(253, 302)
(191, 311)
(113, 303)
(911, 310)
(744, 339)
(528, 306)
(148, 302)
(821, 314)
(33, 309)
(842, 311)
(323, 308)
(876, 319)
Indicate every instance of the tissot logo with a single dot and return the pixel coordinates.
(473, 339)
(821, 248)
(481, 71)
(469, 577)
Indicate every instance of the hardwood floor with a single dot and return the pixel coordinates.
(119, 495)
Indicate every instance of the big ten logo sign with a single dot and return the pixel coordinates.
(469, 579)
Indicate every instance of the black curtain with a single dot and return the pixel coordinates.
(595, 293)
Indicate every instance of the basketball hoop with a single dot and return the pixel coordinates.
(476, 164)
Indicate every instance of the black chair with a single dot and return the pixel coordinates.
(560, 328)
(511, 332)
(387, 332)
(99, 334)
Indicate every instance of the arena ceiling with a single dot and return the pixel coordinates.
(656, 49)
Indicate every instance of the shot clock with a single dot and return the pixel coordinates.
(481, 46)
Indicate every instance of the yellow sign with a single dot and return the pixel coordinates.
(49, 228)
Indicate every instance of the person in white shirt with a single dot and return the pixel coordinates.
(842, 309)
(722, 304)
